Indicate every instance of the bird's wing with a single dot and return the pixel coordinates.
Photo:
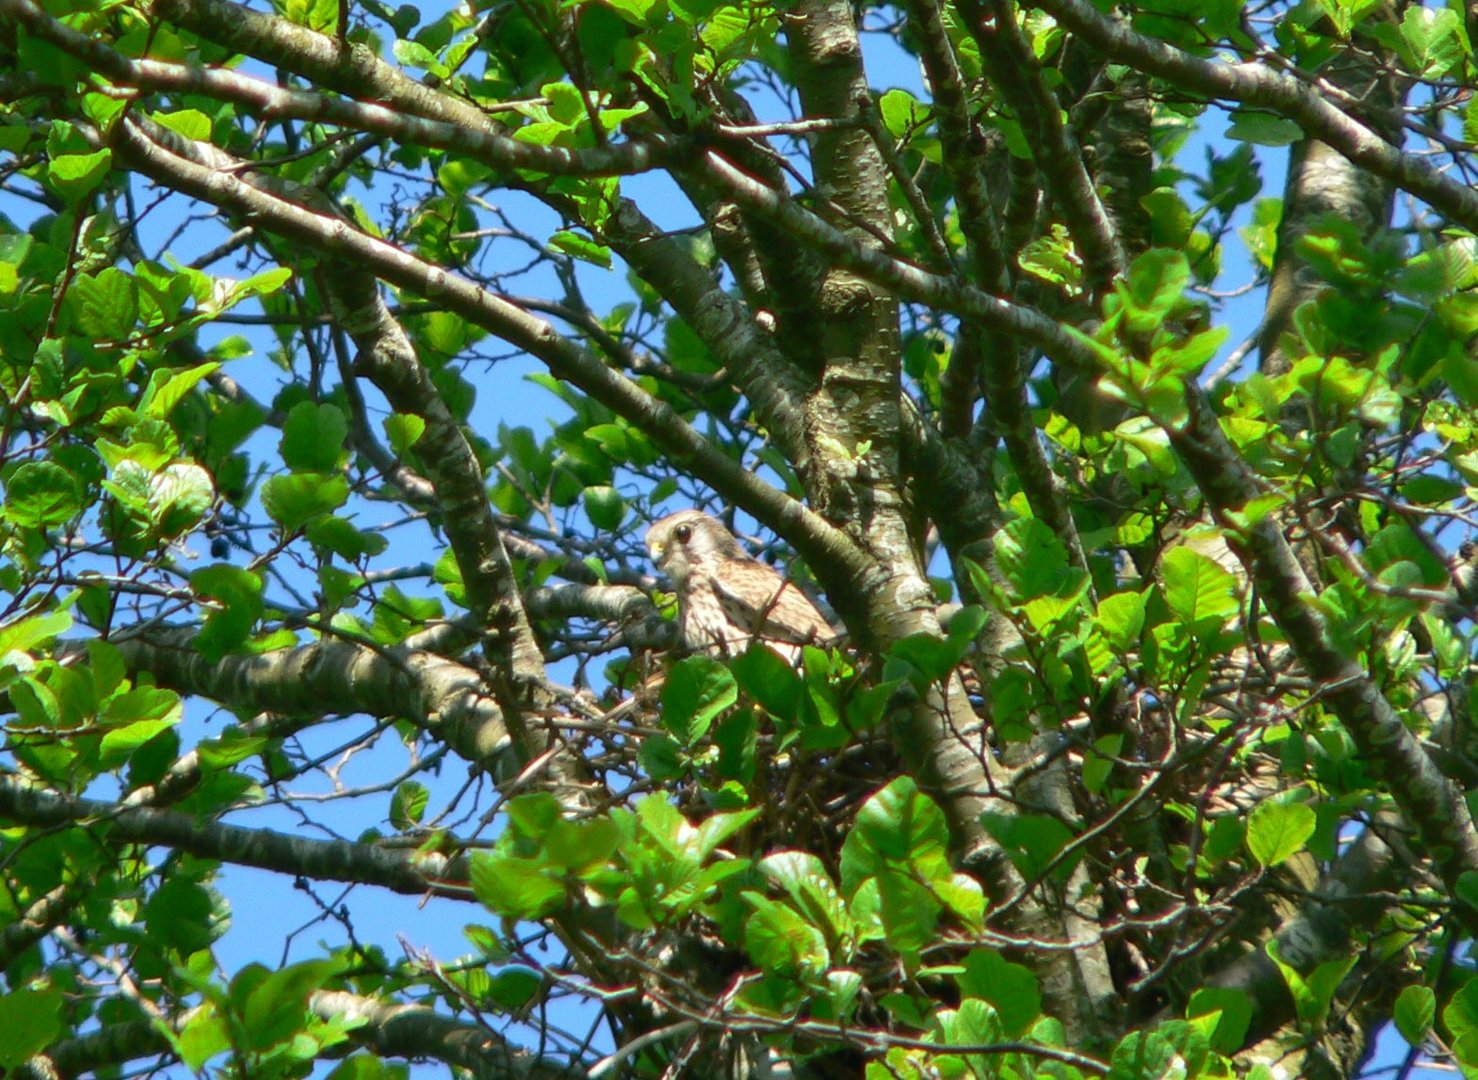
(767, 606)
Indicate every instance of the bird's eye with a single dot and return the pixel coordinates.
(684, 533)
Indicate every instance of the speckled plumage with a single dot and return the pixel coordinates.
(725, 598)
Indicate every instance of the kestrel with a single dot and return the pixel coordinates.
(725, 598)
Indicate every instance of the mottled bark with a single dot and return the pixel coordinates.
(1324, 185)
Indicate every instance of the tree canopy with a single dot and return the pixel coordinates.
(1107, 371)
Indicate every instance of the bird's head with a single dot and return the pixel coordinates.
(689, 538)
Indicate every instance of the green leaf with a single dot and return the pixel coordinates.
(974, 1023)
(1429, 490)
(118, 744)
(1346, 14)
(13, 249)
(637, 12)
(1264, 129)
(532, 816)
(237, 596)
(264, 284)
(661, 758)
(141, 703)
(1120, 616)
(1171, 222)
(514, 887)
(765, 676)
(26, 633)
(40, 494)
(404, 430)
(1434, 40)
(910, 912)
(512, 988)
(565, 104)
(1466, 888)
(167, 388)
(191, 123)
(840, 998)
(898, 825)
(313, 437)
(697, 690)
(340, 536)
(1031, 842)
(902, 113)
(14, 137)
(1011, 988)
(964, 896)
(1312, 994)
(717, 828)
(487, 942)
(366, 1067)
(105, 304)
(1187, 356)
(204, 1035)
(1416, 1008)
(277, 1007)
(582, 248)
(398, 615)
(184, 915)
(106, 663)
(932, 658)
(813, 893)
(1277, 831)
(1461, 1012)
(737, 739)
(1235, 1015)
(75, 176)
(35, 703)
(320, 15)
(293, 501)
(1157, 281)
(779, 940)
(30, 1020)
(605, 507)
(686, 351)
(414, 54)
(1261, 236)
(1175, 1049)
(1033, 559)
(408, 805)
(902, 823)
(1200, 593)
(1051, 257)
(1098, 764)
(179, 496)
(582, 846)
(231, 748)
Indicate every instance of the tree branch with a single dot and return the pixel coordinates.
(1437, 812)
(404, 1031)
(446, 698)
(482, 142)
(904, 279)
(1257, 85)
(415, 1031)
(1348, 896)
(768, 380)
(812, 535)
(1017, 76)
(265, 849)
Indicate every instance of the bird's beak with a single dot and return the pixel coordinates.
(657, 549)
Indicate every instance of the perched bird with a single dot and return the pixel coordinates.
(725, 598)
